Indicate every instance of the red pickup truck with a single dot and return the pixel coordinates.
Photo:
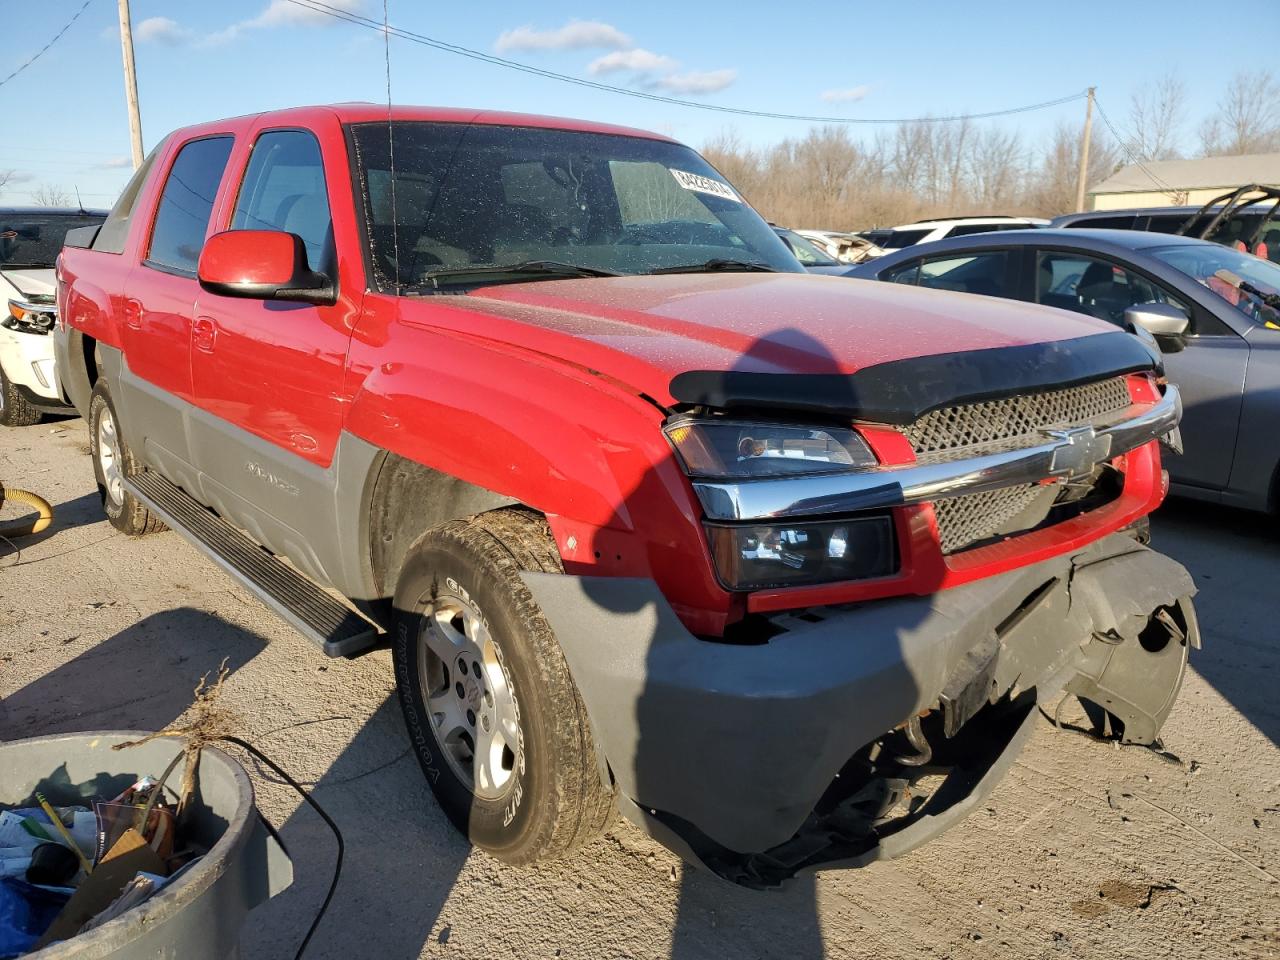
(777, 565)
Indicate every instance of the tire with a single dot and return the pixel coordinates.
(540, 794)
(15, 411)
(113, 461)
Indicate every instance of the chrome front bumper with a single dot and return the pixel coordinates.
(1068, 454)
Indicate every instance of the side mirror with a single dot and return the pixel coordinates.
(1165, 322)
(262, 265)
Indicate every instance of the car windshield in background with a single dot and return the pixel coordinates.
(34, 239)
(806, 251)
(467, 201)
(1248, 283)
(898, 239)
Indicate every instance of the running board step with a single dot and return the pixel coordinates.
(328, 623)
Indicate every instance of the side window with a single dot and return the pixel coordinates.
(985, 272)
(907, 273)
(1096, 287)
(182, 218)
(284, 189)
(115, 229)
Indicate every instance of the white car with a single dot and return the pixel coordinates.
(927, 231)
(30, 240)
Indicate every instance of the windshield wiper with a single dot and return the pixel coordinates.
(534, 268)
(717, 264)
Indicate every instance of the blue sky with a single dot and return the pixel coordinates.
(199, 61)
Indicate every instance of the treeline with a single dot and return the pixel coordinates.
(829, 179)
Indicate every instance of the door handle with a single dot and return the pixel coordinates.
(133, 313)
(203, 334)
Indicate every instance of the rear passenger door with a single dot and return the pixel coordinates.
(268, 375)
(159, 305)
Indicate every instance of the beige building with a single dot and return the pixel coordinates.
(1172, 183)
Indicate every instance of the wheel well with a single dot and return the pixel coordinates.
(409, 499)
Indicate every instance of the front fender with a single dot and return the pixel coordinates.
(576, 446)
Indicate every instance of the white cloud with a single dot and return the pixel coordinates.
(18, 176)
(698, 81)
(161, 30)
(574, 35)
(282, 13)
(637, 61)
(115, 163)
(848, 95)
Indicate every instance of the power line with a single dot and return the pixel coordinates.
(1125, 145)
(56, 37)
(317, 6)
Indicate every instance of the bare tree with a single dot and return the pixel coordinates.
(1156, 117)
(6, 176)
(1053, 187)
(50, 195)
(1247, 119)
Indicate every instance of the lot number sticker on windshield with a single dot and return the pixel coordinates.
(692, 181)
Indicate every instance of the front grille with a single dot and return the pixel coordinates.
(1012, 422)
(967, 520)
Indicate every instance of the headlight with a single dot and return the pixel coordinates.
(29, 317)
(723, 449)
(752, 557)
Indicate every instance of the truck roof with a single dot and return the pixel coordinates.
(372, 112)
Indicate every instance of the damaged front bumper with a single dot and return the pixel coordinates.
(857, 733)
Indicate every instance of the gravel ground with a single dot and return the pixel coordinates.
(1085, 850)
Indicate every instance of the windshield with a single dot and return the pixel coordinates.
(34, 239)
(1203, 261)
(469, 199)
(806, 252)
(898, 239)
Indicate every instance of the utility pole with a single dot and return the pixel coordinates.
(130, 84)
(1084, 149)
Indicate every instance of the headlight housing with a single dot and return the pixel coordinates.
(29, 317)
(734, 449)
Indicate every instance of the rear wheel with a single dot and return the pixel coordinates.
(113, 461)
(495, 719)
(15, 411)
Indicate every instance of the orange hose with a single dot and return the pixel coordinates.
(24, 528)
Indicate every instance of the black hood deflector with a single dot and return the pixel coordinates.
(900, 391)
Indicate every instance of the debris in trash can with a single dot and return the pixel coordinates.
(52, 865)
(129, 856)
(25, 912)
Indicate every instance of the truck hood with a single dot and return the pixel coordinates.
(31, 281)
(800, 341)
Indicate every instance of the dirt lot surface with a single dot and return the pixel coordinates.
(1086, 849)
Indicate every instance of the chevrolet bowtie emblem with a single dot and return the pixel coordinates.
(1078, 452)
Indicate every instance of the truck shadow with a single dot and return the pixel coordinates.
(1234, 556)
(402, 857)
(141, 678)
(691, 746)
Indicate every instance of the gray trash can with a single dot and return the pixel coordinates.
(199, 915)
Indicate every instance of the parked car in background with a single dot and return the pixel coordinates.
(30, 238)
(845, 247)
(1254, 228)
(1214, 311)
(929, 231)
(779, 566)
(810, 256)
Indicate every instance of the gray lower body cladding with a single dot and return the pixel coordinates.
(728, 753)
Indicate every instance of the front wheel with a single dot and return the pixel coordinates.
(494, 716)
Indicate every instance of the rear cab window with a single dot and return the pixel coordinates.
(186, 205)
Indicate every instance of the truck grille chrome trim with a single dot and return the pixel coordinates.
(1069, 453)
